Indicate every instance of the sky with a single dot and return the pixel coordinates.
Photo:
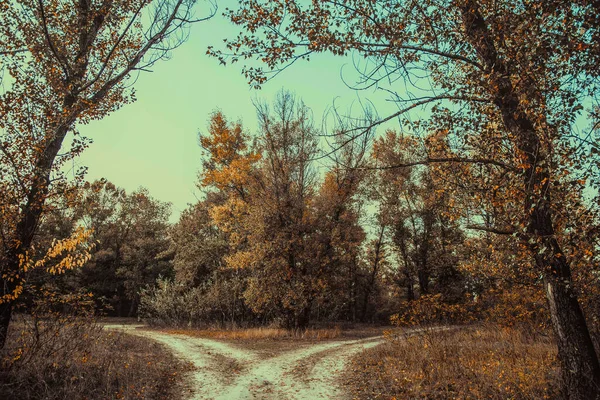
(153, 142)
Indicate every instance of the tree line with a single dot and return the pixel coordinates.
(283, 237)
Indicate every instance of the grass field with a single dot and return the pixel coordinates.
(486, 362)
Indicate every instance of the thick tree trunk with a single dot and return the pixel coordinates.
(28, 218)
(8, 288)
(580, 370)
(578, 359)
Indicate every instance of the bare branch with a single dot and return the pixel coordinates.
(442, 160)
(63, 63)
(10, 52)
(498, 231)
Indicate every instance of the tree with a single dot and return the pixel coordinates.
(268, 206)
(68, 64)
(419, 218)
(338, 238)
(132, 243)
(505, 83)
(296, 237)
(376, 256)
(198, 245)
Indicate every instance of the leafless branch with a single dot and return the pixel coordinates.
(498, 231)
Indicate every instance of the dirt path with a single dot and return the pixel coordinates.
(227, 372)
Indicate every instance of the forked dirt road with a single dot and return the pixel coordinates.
(227, 372)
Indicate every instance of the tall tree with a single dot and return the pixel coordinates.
(339, 235)
(298, 237)
(522, 71)
(69, 64)
(417, 212)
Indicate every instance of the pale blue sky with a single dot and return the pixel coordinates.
(153, 142)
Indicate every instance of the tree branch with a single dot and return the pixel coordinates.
(498, 231)
(63, 63)
(448, 160)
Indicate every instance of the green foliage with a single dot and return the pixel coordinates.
(217, 301)
(199, 247)
(131, 231)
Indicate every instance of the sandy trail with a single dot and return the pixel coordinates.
(307, 373)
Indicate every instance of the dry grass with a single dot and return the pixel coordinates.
(260, 333)
(76, 359)
(477, 363)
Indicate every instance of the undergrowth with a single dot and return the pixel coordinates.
(488, 362)
(70, 357)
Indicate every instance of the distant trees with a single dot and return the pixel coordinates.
(132, 243)
(272, 233)
(68, 63)
(277, 240)
(267, 215)
(424, 234)
(198, 246)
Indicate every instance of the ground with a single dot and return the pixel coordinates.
(290, 370)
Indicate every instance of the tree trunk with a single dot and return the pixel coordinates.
(303, 318)
(423, 277)
(371, 284)
(30, 214)
(5, 315)
(410, 291)
(580, 370)
(424, 248)
(133, 308)
(577, 356)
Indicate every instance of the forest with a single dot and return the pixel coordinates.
(446, 250)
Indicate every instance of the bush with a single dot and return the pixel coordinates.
(170, 303)
(432, 310)
(519, 307)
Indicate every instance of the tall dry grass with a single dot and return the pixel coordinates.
(70, 357)
(487, 362)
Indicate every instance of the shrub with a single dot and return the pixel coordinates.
(170, 303)
(432, 310)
